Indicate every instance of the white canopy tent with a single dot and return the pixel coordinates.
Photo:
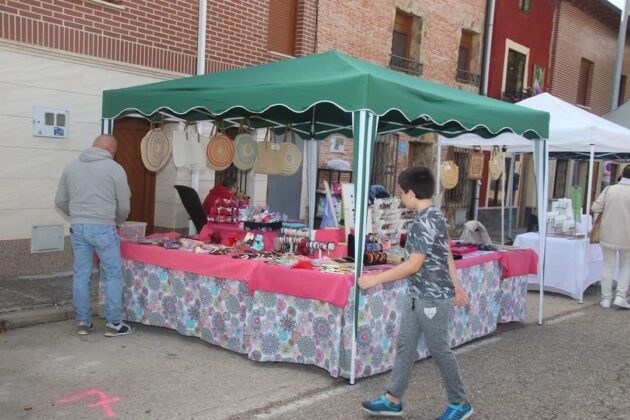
(541, 160)
(571, 129)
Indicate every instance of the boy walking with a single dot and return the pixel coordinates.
(433, 289)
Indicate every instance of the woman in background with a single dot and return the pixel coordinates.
(613, 206)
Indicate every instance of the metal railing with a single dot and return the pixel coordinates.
(515, 96)
(467, 77)
(405, 65)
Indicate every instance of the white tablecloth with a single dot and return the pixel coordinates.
(571, 265)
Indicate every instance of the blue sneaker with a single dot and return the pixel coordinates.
(382, 406)
(457, 412)
(114, 330)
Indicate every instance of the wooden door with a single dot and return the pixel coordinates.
(129, 133)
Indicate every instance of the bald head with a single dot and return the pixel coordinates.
(106, 142)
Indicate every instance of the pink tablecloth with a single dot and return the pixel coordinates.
(335, 235)
(326, 287)
(226, 231)
(514, 262)
(476, 258)
(518, 262)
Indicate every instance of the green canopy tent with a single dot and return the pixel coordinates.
(328, 93)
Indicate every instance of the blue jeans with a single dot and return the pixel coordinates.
(104, 240)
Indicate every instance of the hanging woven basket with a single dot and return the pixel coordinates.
(155, 150)
(220, 152)
(449, 174)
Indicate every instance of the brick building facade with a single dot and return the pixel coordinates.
(157, 34)
(586, 30)
(75, 49)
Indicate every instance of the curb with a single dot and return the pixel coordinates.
(31, 317)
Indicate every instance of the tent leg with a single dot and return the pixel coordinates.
(107, 125)
(312, 148)
(364, 129)
(476, 200)
(503, 176)
(589, 187)
(437, 199)
(510, 199)
(541, 167)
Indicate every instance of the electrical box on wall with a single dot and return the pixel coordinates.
(46, 238)
(48, 122)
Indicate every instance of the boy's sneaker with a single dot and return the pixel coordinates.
(604, 303)
(114, 330)
(457, 412)
(84, 328)
(382, 406)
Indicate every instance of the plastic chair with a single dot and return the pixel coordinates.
(192, 204)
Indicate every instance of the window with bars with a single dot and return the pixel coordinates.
(465, 51)
(461, 195)
(560, 184)
(281, 26)
(465, 59)
(515, 73)
(401, 58)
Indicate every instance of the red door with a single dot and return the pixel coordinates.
(129, 133)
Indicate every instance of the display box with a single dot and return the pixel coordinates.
(132, 231)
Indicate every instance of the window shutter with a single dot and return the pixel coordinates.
(465, 51)
(402, 34)
(281, 26)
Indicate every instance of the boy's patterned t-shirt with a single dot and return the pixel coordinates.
(428, 236)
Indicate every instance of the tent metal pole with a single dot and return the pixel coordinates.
(476, 202)
(311, 173)
(364, 129)
(503, 176)
(107, 126)
(542, 224)
(510, 199)
(589, 187)
(437, 199)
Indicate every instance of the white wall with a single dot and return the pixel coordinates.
(30, 167)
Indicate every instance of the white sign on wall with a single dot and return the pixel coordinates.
(48, 122)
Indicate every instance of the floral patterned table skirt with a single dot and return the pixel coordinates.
(273, 327)
(513, 299)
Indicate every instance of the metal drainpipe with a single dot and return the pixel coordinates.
(201, 69)
(621, 43)
(487, 48)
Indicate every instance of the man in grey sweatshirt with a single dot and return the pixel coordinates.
(94, 193)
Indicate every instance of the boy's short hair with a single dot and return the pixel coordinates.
(418, 179)
(626, 172)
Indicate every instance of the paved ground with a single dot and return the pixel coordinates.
(576, 366)
(31, 300)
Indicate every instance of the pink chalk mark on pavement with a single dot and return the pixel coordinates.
(104, 400)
